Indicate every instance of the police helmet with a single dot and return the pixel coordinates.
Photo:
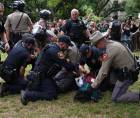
(45, 14)
(18, 5)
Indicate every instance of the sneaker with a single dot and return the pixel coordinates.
(24, 101)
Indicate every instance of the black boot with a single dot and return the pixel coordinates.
(24, 100)
(3, 89)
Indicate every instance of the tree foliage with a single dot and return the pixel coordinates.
(132, 7)
(62, 8)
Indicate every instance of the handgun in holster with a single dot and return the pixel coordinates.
(128, 74)
(122, 74)
(8, 72)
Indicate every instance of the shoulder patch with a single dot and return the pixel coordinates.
(104, 57)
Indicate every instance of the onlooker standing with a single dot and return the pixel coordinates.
(76, 29)
(115, 29)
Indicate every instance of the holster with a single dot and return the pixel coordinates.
(124, 74)
(8, 73)
(35, 77)
(14, 38)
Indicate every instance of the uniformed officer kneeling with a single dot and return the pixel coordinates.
(48, 64)
(121, 65)
(90, 56)
(13, 68)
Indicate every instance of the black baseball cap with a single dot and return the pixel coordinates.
(66, 39)
(84, 49)
(28, 38)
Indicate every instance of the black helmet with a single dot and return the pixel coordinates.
(45, 14)
(18, 5)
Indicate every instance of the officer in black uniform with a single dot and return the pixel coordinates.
(13, 68)
(48, 64)
(2, 29)
(76, 29)
(90, 56)
(93, 57)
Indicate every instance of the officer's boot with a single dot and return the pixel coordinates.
(3, 89)
(24, 100)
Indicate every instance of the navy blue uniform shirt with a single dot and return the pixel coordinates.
(92, 61)
(50, 55)
(18, 56)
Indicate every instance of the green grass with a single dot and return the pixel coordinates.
(65, 107)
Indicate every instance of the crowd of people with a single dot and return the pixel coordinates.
(67, 55)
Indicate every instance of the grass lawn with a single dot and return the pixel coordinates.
(65, 107)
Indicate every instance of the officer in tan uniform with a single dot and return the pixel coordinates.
(121, 65)
(18, 22)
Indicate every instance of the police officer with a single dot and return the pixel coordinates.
(121, 66)
(90, 56)
(64, 79)
(13, 67)
(48, 64)
(115, 29)
(40, 27)
(93, 57)
(2, 29)
(76, 29)
(17, 23)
